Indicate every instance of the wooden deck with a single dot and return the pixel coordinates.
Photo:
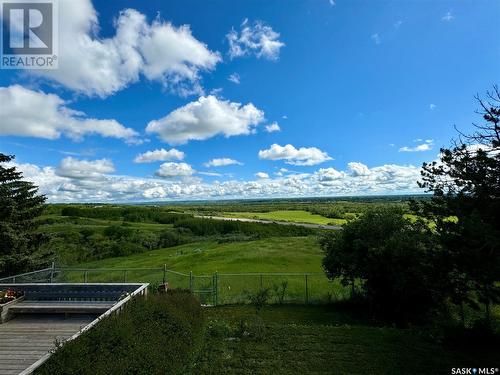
(27, 338)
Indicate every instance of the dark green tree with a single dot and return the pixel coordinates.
(465, 209)
(20, 205)
(393, 260)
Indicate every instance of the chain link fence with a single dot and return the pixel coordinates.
(215, 289)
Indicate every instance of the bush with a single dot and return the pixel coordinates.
(210, 227)
(160, 334)
(393, 258)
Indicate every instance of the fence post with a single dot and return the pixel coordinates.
(261, 284)
(164, 273)
(191, 281)
(52, 272)
(124, 276)
(216, 287)
(85, 276)
(307, 291)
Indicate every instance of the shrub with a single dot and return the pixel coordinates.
(395, 260)
(210, 227)
(159, 334)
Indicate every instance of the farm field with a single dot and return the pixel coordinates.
(296, 216)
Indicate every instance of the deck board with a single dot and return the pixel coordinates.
(27, 338)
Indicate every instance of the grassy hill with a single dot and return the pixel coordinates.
(276, 254)
(243, 268)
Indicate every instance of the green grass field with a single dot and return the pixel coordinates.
(296, 216)
(277, 254)
(322, 340)
(253, 258)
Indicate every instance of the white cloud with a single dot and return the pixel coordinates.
(97, 66)
(211, 174)
(262, 175)
(235, 78)
(432, 107)
(305, 156)
(255, 38)
(206, 118)
(358, 169)
(170, 170)
(25, 112)
(376, 38)
(159, 155)
(329, 174)
(217, 91)
(274, 127)
(221, 162)
(332, 2)
(426, 146)
(448, 17)
(84, 169)
(94, 184)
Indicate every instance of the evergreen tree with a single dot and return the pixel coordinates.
(466, 209)
(20, 205)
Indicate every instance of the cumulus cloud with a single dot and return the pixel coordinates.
(329, 174)
(255, 38)
(97, 66)
(305, 156)
(432, 107)
(426, 146)
(262, 175)
(221, 162)
(159, 155)
(274, 127)
(171, 170)
(357, 169)
(94, 183)
(84, 169)
(30, 113)
(206, 118)
(234, 78)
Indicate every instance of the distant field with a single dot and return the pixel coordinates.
(297, 216)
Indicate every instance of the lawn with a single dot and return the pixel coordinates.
(296, 216)
(322, 340)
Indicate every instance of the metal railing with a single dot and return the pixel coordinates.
(212, 289)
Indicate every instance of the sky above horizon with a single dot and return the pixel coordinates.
(185, 100)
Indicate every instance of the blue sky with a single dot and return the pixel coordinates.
(350, 82)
